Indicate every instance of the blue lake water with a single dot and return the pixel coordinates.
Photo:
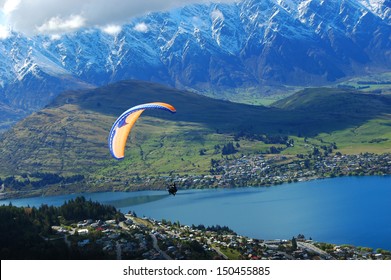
(347, 210)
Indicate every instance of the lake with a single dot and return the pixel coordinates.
(345, 210)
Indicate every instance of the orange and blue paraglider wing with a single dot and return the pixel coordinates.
(123, 125)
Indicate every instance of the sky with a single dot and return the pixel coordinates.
(55, 17)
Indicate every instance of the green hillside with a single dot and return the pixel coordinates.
(376, 83)
(69, 137)
(357, 122)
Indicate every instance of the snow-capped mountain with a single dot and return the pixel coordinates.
(381, 8)
(206, 47)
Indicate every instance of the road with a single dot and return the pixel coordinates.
(313, 248)
(119, 251)
(156, 247)
(217, 250)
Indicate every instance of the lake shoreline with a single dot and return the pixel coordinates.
(59, 191)
(256, 171)
(350, 208)
(53, 191)
(285, 210)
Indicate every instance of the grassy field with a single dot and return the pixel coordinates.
(373, 136)
(370, 83)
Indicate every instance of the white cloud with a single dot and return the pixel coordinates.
(57, 24)
(4, 32)
(59, 16)
(55, 37)
(141, 27)
(112, 29)
(6, 8)
(9, 6)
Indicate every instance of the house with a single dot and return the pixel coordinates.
(111, 222)
(84, 223)
(83, 231)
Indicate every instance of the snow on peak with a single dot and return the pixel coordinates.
(288, 5)
(381, 8)
(217, 23)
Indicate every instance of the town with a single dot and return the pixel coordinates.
(144, 238)
(257, 170)
(261, 170)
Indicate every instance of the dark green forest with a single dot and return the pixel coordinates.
(26, 232)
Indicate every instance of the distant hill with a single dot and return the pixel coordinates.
(339, 108)
(70, 135)
(332, 100)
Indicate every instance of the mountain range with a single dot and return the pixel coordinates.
(203, 48)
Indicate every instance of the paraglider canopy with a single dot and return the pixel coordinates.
(122, 126)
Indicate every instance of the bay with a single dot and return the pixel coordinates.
(345, 210)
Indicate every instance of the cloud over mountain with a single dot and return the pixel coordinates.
(56, 16)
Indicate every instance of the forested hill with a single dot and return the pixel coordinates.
(26, 232)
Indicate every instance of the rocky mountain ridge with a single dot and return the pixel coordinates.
(205, 47)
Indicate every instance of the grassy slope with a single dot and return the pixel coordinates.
(353, 120)
(70, 136)
(369, 83)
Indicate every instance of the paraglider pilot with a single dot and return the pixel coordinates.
(172, 189)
